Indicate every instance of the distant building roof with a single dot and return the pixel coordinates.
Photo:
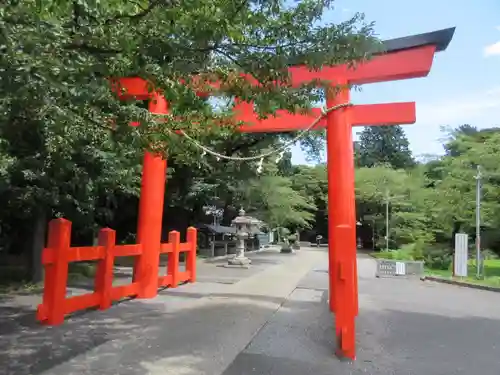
(217, 229)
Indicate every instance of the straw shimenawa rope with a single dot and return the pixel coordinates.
(278, 150)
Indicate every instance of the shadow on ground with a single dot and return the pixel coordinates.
(134, 337)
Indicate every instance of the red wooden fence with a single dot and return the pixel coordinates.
(59, 253)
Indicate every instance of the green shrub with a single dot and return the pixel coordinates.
(489, 254)
(407, 248)
(402, 254)
(437, 258)
(390, 254)
(385, 255)
(418, 250)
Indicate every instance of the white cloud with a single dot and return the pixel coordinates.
(458, 109)
(478, 109)
(492, 49)
(493, 91)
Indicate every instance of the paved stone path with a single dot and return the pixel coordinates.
(405, 327)
(269, 320)
(194, 329)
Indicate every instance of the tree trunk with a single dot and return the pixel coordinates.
(457, 226)
(37, 245)
(228, 214)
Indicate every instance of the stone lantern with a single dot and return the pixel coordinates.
(245, 227)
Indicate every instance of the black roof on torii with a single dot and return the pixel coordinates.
(439, 38)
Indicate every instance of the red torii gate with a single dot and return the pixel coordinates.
(407, 57)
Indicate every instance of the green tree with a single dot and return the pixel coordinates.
(78, 174)
(410, 203)
(271, 198)
(68, 145)
(312, 183)
(384, 145)
(60, 56)
(458, 185)
(434, 200)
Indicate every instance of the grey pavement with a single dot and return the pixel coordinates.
(271, 319)
(194, 329)
(405, 327)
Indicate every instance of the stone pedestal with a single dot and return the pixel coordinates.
(287, 250)
(239, 262)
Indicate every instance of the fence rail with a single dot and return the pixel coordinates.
(59, 253)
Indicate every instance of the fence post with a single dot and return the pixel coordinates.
(104, 274)
(56, 272)
(192, 239)
(174, 238)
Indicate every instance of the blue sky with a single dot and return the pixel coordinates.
(464, 83)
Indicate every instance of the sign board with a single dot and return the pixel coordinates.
(461, 254)
(400, 268)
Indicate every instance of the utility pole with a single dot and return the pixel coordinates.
(478, 221)
(387, 202)
(387, 219)
(373, 234)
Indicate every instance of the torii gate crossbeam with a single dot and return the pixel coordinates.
(404, 58)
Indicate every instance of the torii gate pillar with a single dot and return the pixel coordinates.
(149, 223)
(341, 213)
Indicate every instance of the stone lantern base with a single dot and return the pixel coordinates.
(287, 250)
(238, 262)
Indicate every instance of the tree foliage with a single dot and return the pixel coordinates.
(272, 198)
(436, 199)
(383, 144)
(58, 56)
(66, 147)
